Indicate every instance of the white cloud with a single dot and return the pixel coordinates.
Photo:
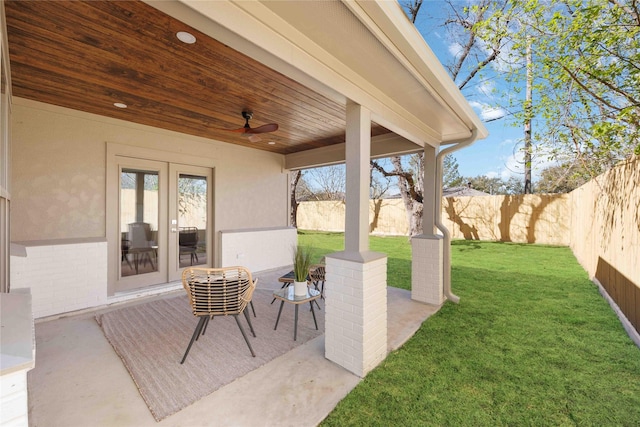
(486, 88)
(488, 112)
(508, 143)
(455, 49)
(514, 164)
(492, 113)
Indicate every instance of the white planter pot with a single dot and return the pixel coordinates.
(300, 289)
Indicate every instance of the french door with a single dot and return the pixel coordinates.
(163, 222)
(190, 214)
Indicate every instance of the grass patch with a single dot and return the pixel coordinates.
(532, 342)
(398, 250)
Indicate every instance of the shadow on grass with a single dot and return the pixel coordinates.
(478, 244)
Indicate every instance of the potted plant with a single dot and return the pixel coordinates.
(301, 263)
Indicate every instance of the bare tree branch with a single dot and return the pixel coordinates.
(398, 172)
(492, 57)
(414, 7)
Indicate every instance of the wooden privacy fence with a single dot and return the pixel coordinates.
(600, 221)
(520, 218)
(523, 219)
(605, 234)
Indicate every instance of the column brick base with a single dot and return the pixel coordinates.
(426, 269)
(356, 310)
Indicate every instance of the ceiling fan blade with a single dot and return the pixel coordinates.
(247, 115)
(270, 127)
(240, 130)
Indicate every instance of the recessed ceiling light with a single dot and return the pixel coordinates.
(271, 143)
(185, 37)
(120, 105)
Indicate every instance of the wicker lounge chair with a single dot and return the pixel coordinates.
(218, 292)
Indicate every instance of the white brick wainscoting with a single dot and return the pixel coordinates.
(258, 249)
(426, 269)
(64, 276)
(356, 310)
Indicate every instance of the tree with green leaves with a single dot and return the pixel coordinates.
(587, 78)
(478, 47)
(450, 174)
(562, 178)
(497, 186)
(493, 185)
(515, 185)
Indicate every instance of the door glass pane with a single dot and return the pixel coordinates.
(192, 220)
(138, 222)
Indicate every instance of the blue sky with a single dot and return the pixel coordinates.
(497, 155)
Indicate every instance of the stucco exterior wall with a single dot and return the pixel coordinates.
(59, 173)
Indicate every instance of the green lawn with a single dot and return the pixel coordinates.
(531, 343)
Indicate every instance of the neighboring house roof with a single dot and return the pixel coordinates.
(392, 196)
(462, 192)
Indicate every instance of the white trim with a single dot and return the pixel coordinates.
(388, 21)
(122, 150)
(381, 146)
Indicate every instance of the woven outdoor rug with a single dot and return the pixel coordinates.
(151, 339)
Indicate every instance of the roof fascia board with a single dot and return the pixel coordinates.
(373, 25)
(255, 30)
(381, 146)
(410, 48)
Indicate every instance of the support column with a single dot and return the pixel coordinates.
(356, 311)
(357, 155)
(427, 248)
(356, 279)
(430, 191)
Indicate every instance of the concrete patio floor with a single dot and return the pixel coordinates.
(80, 381)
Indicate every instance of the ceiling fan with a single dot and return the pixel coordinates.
(246, 129)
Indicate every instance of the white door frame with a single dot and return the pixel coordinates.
(117, 154)
(175, 170)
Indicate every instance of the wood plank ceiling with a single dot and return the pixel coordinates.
(88, 55)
